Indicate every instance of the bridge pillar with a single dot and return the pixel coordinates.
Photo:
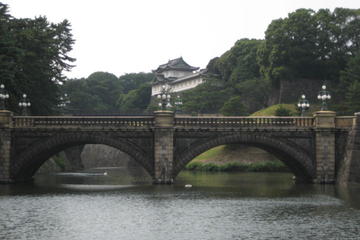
(325, 146)
(5, 145)
(163, 147)
(350, 166)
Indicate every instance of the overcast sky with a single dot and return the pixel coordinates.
(125, 36)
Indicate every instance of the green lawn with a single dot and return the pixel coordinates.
(211, 154)
(270, 111)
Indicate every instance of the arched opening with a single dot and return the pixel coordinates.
(92, 164)
(29, 161)
(297, 160)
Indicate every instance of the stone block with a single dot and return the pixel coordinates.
(325, 119)
(164, 119)
(6, 118)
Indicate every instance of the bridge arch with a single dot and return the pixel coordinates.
(29, 161)
(296, 158)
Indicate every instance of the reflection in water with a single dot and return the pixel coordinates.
(91, 205)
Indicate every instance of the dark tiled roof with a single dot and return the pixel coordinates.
(176, 64)
(160, 78)
(202, 72)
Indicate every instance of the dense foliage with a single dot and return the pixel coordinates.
(33, 57)
(229, 79)
(104, 93)
(299, 54)
(310, 47)
(350, 82)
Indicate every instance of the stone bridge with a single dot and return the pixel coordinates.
(313, 148)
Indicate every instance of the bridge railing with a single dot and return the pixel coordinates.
(180, 122)
(345, 121)
(234, 122)
(83, 121)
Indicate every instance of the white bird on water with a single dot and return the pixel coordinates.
(188, 185)
(105, 173)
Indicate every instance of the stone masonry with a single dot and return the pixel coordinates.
(325, 146)
(350, 167)
(163, 144)
(164, 147)
(5, 142)
(5, 145)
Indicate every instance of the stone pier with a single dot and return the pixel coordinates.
(163, 147)
(325, 146)
(5, 146)
(350, 166)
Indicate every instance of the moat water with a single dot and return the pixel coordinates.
(118, 205)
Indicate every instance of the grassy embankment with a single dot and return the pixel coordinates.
(270, 111)
(242, 159)
(245, 159)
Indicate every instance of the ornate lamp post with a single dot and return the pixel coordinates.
(24, 104)
(3, 96)
(164, 98)
(303, 104)
(64, 101)
(323, 96)
(178, 103)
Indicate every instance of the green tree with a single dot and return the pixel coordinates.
(103, 93)
(282, 111)
(136, 101)
(208, 97)
(107, 87)
(254, 93)
(309, 45)
(349, 87)
(83, 100)
(234, 107)
(33, 56)
(228, 77)
(352, 97)
(96, 94)
(237, 64)
(131, 81)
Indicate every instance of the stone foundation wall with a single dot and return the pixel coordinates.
(350, 166)
(98, 155)
(5, 144)
(164, 150)
(325, 156)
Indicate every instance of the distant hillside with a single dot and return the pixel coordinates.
(234, 153)
(270, 111)
(236, 157)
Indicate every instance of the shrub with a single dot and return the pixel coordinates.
(282, 111)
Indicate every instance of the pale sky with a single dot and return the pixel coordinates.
(125, 36)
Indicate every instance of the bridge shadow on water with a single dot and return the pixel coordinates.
(204, 185)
